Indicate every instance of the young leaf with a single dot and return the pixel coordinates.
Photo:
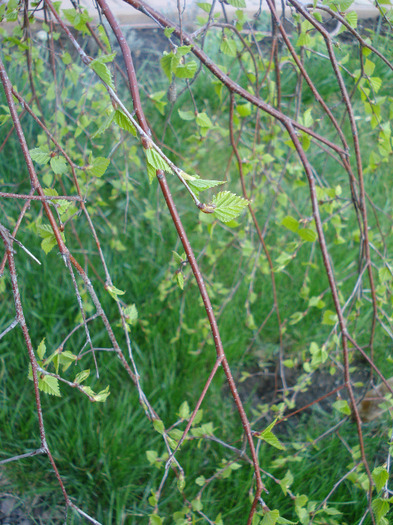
(237, 3)
(82, 376)
(184, 410)
(197, 185)
(155, 160)
(41, 349)
(228, 206)
(114, 292)
(49, 385)
(341, 405)
(186, 115)
(98, 167)
(59, 165)
(131, 314)
(104, 126)
(203, 120)
(186, 70)
(102, 396)
(124, 122)
(98, 65)
(268, 436)
(380, 476)
(168, 31)
(39, 156)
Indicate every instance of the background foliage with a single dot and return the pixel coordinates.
(300, 286)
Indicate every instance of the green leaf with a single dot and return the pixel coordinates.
(186, 115)
(329, 318)
(98, 167)
(186, 70)
(102, 395)
(197, 185)
(244, 110)
(307, 234)
(102, 71)
(237, 3)
(203, 120)
(41, 349)
(66, 359)
(184, 411)
(152, 456)
(341, 405)
(114, 292)
(82, 376)
(39, 156)
(228, 46)
(270, 518)
(180, 280)
(381, 508)
(168, 31)
(268, 436)
(352, 19)
(131, 314)
(200, 480)
(59, 165)
(205, 6)
(78, 19)
(228, 206)
(49, 385)
(290, 223)
(154, 519)
(156, 161)
(124, 122)
(104, 126)
(159, 426)
(380, 476)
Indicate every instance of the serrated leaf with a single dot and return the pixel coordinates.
(381, 508)
(178, 259)
(41, 349)
(59, 165)
(156, 161)
(82, 376)
(228, 206)
(124, 122)
(186, 70)
(39, 156)
(151, 172)
(197, 185)
(352, 19)
(99, 166)
(49, 385)
(228, 46)
(102, 71)
(268, 436)
(48, 243)
(380, 476)
(270, 518)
